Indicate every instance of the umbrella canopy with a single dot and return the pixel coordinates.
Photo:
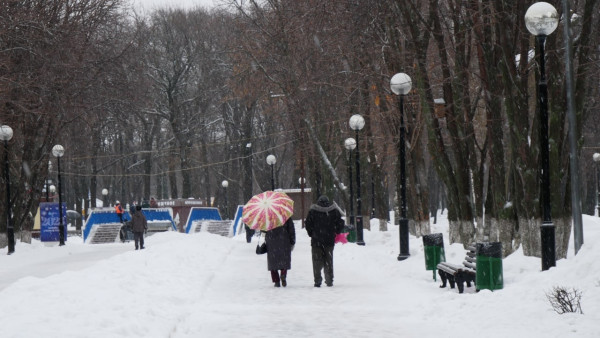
(267, 210)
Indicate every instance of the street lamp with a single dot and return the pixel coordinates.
(104, 199)
(225, 184)
(271, 160)
(597, 160)
(541, 20)
(302, 183)
(58, 151)
(350, 144)
(357, 122)
(401, 85)
(6, 133)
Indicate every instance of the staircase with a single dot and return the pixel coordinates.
(105, 233)
(222, 228)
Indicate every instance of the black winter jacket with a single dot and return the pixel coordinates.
(279, 246)
(323, 222)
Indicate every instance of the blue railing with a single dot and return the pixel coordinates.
(98, 217)
(201, 214)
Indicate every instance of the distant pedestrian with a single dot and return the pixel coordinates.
(153, 203)
(119, 211)
(323, 222)
(249, 233)
(280, 243)
(139, 226)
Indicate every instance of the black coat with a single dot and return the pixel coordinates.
(139, 222)
(322, 223)
(279, 246)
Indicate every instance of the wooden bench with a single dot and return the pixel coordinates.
(459, 274)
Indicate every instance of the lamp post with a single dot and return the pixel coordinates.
(58, 151)
(541, 20)
(6, 133)
(401, 85)
(350, 144)
(225, 184)
(302, 183)
(271, 160)
(104, 199)
(597, 160)
(357, 122)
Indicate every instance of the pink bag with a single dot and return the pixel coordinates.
(341, 238)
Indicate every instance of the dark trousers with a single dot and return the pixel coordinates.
(322, 259)
(138, 237)
(120, 217)
(249, 233)
(275, 275)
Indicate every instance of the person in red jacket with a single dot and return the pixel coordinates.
(119, 211)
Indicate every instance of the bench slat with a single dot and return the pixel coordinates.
(470, 265)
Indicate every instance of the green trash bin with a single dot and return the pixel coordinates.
(351, 230)
(351, 236)
(489, 266)
(434, 252)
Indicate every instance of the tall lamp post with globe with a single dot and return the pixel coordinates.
(541, 19)
(271, 160)
(225, 184)
(58, 151)
(350, 144)
(357, 122)
(401, 85)
(6, 134)
(104, 198)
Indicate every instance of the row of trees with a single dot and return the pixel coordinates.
(171, 103)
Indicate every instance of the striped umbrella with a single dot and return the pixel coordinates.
(267, 210)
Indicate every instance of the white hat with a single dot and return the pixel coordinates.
(117, 202)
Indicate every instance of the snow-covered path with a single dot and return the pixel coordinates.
(39, 261)
(204, 285)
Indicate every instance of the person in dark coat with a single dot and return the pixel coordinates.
(249, 233)
(280, 243)
(323, 222)
(139, 225)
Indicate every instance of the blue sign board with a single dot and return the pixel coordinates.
(50, 222)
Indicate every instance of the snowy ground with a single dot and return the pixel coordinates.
(204, 285)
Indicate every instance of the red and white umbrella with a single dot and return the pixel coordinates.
(267, 210)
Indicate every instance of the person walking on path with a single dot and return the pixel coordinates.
(119, 211)
(249, 233)
(323, 222)
(139, 225)
(280, 243)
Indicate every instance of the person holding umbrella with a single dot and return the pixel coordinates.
(280, 243)
(271, 212)
(323, 222)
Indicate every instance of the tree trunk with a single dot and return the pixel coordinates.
(419, 228)
(529, 229)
